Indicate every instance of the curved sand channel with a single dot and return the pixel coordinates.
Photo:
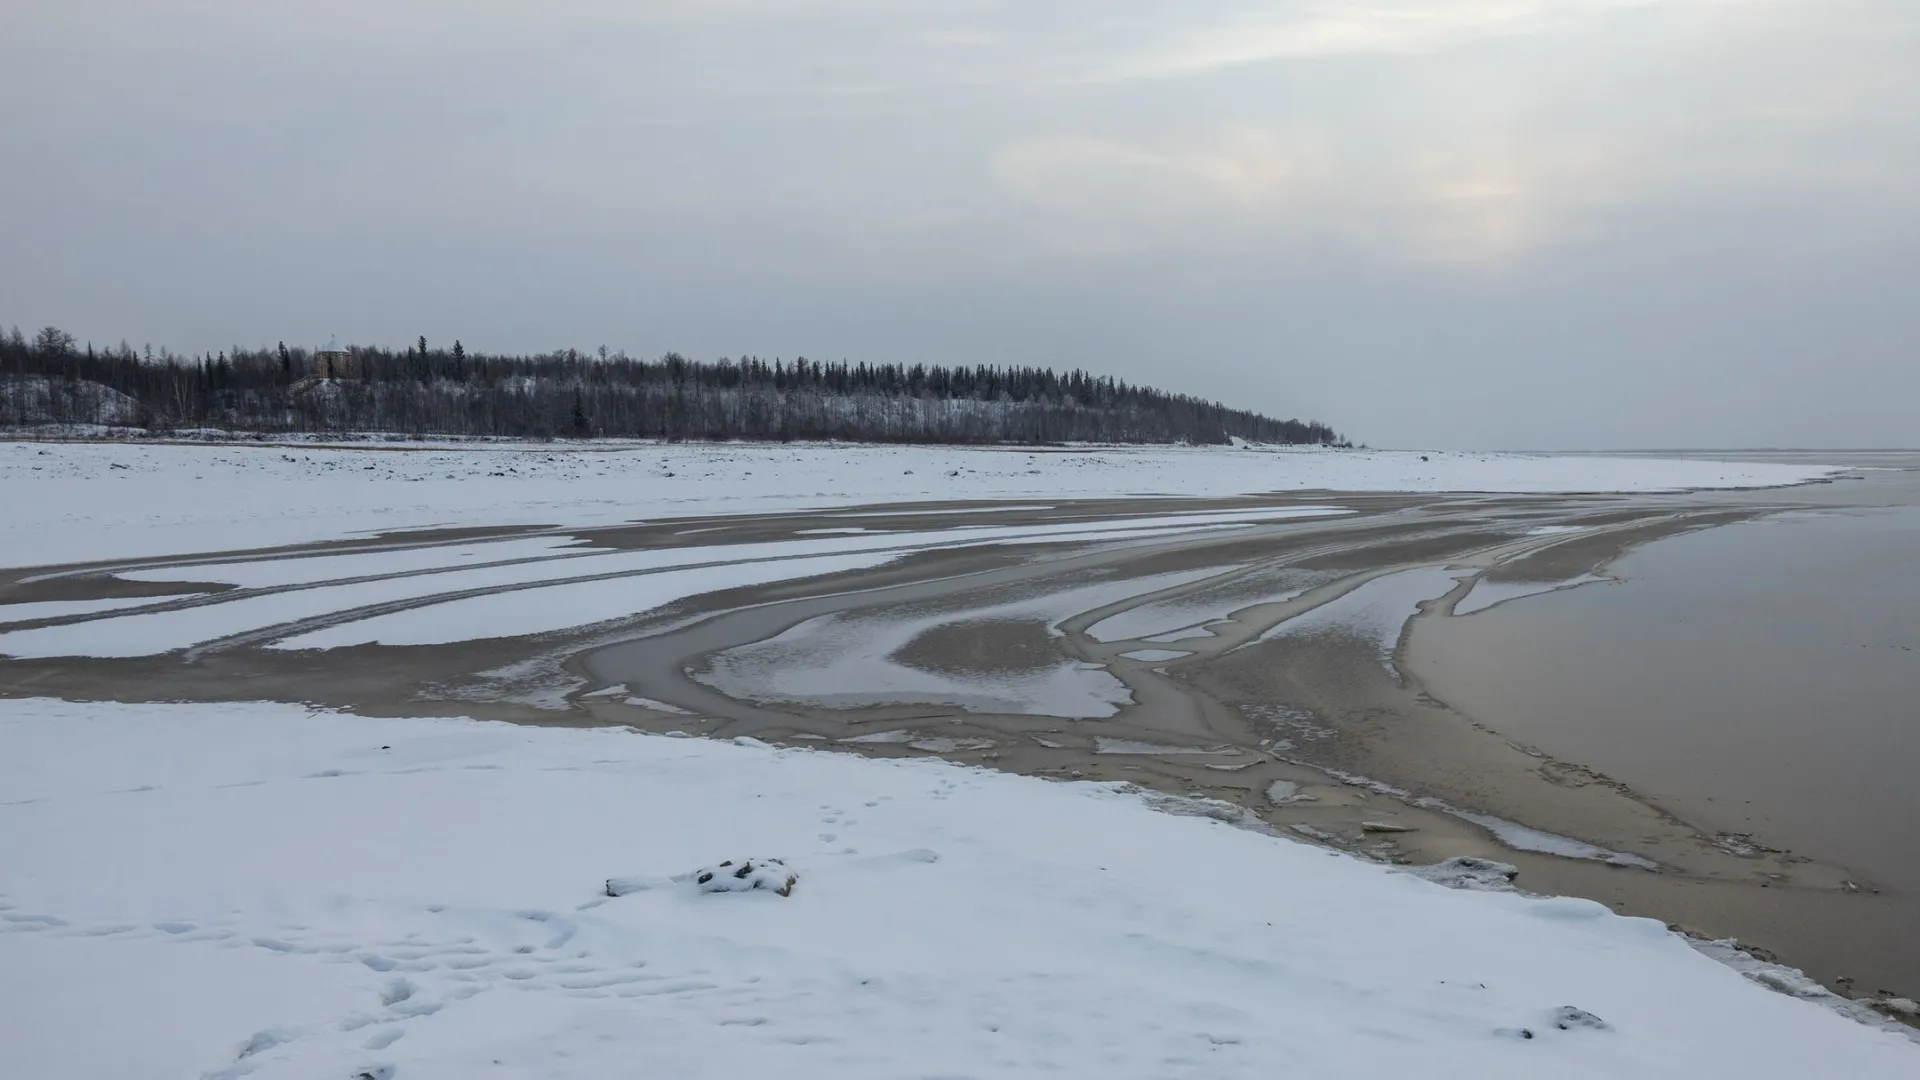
(1321, 731)
(1262, 666)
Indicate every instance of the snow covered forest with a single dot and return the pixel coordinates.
(50, 379)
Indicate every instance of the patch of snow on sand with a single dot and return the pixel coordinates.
(1486, 594)
(288, 900)
(165, 631)
(997, 509)
(1157, 617)
(657, 706)
(1104, 745)
(905, 735)
(209, 497)
(932, 744)
(1282, 792)
(943, 744)
(1117, 530)
(60, 609)
(1514, 835)
(558, 607)
(848, 661)
(1161, 620)
(1180, 635)
(307, 570)
(1376, 611)
(544, 610)
(1521, 838)
(561, 607)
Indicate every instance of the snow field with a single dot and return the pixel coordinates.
(211, 497)
(251, 890)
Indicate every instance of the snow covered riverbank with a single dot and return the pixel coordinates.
(253, 890)
(93, 501)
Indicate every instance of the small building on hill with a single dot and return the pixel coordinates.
(332, 360)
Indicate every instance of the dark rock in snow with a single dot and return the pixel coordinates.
(1566, 1018)
(747, 875)
(1469, 872)
(771, 875)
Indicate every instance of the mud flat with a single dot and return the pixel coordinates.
(1263, 654)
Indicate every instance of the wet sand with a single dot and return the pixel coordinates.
(1332, 735)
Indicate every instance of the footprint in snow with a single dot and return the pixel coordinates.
(102, 931)
(263, 1041)
(32, 922)
(397, 991)
(1565, 1018)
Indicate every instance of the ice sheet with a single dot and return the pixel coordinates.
(1376, 611)
(1154, 656)
(841, 661)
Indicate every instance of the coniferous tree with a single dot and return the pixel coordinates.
(581, 429)
(608, 393)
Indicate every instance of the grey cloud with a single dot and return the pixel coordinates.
(1459, 222)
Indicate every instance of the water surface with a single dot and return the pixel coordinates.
(1758, 678)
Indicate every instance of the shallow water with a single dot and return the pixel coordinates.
(1758, 678)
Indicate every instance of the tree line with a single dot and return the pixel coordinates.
(421, 390)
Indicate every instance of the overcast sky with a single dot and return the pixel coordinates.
(1448, 223)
